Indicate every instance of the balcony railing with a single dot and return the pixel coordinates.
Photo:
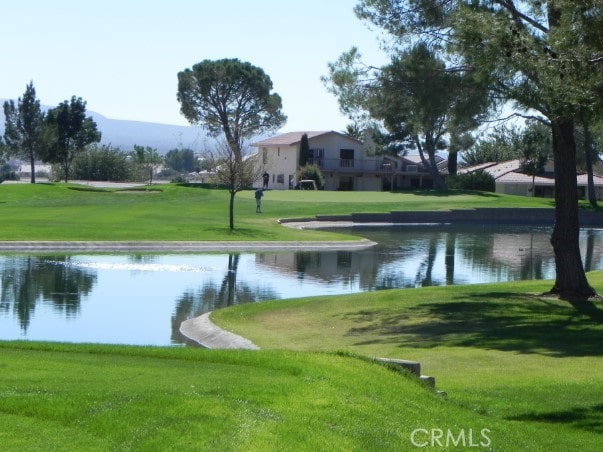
(377, 165)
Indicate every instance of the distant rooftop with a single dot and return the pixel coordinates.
(291, 138)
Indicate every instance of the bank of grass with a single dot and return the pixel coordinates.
(500, 350)
(175, 212)
(86, 397)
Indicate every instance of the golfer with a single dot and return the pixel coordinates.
(258, 200)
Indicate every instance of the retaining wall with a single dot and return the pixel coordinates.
(543, 217)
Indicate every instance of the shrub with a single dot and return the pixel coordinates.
(99, 163)
(478, 180)
(311, 172)
(7, 173)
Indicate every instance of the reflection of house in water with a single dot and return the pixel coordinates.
(424, 256)
(529, 254)
(514, 249)
(342, 266)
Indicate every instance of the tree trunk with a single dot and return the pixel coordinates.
(66, 171)
(452, 163)
(438, 181)
(570, 283)
(430, 164)
(231, 209)
(33, 167)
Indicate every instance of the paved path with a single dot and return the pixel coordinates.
(203, 331)
(175, 246)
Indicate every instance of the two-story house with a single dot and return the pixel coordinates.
(343, 160)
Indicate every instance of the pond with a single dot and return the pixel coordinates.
(143, 298)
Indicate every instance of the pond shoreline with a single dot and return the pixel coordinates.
(519, 216)
(202, 331)
(480, 215)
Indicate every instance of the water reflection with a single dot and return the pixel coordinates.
(25, 281)
(212, 296)
(143, 298)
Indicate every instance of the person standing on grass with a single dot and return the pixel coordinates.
(265, 179)
(258, 200)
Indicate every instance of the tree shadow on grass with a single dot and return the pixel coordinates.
(451, 193)
(87, 188)
(583, 418)
(522, 323)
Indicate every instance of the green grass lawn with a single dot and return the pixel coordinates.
(172, 212)
(521, 371)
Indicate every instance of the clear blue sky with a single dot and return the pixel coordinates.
(122, 57)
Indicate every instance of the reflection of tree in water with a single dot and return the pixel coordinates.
(450, 255)
(142, 258)
(303, 260)
(507, 256)
(425, 273)
(211, 296)
(591, 244)
(27, 280)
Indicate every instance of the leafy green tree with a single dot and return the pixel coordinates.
(6, 172)
(501, 145)
(589, 143)
(354, 130)
(304, 150)
(536, 150)
(146, 159)
(71, 131)
(311, 172)
(235, 173)
(417, 99)
(101, 163)
(545, 56)
(232, 99)
(24, 127)
(180, 160)
(229, 97)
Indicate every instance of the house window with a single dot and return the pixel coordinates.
(346, 158)
(280, 178)
(316, 156)
(265, 156)
(317, 153)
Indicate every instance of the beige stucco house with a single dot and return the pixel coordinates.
(510, 180)
(343, 160)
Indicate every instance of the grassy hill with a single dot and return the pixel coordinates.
(502, 351)
(85, 397)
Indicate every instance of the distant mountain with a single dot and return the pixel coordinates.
(125, 134)
(163, 137)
